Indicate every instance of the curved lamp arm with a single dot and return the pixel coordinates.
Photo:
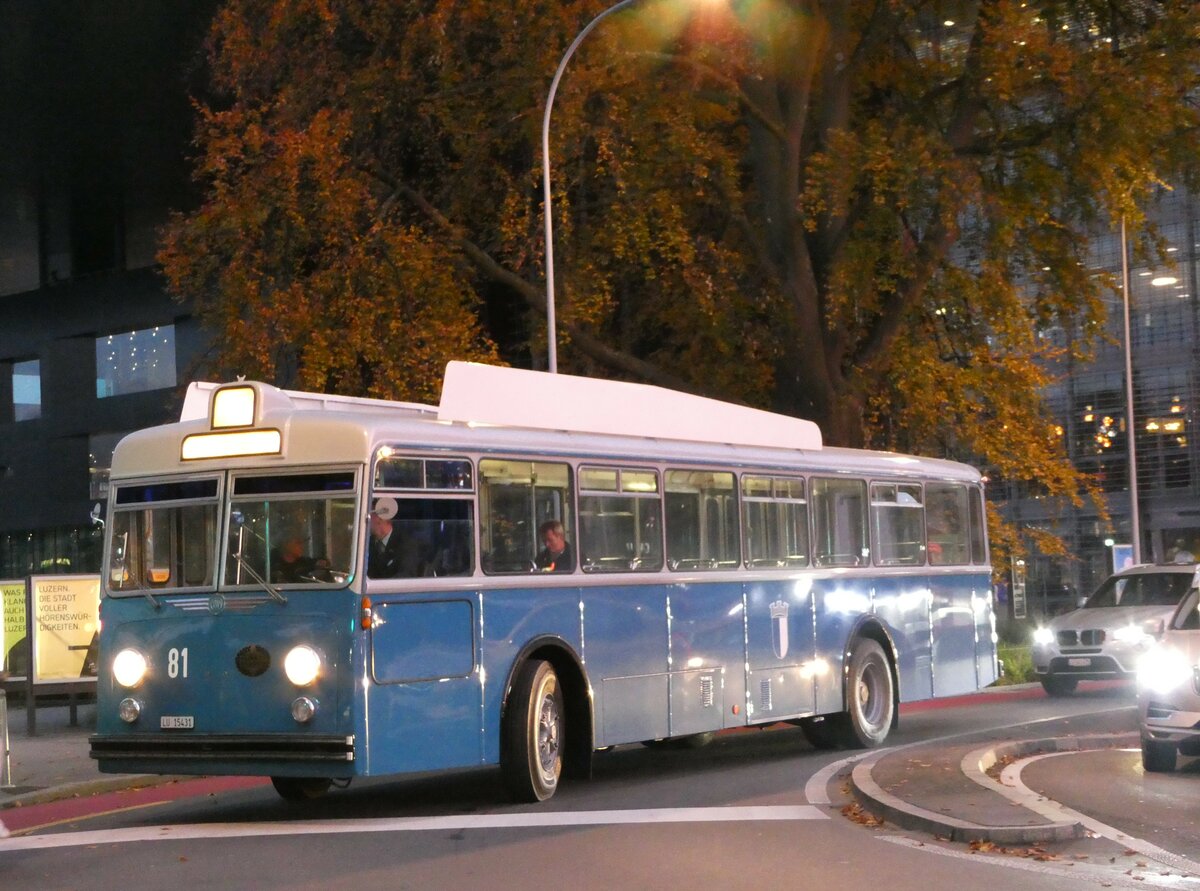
(551, 335)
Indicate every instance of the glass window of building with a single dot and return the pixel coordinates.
(100, 453)
(135, 361)
(27, 390)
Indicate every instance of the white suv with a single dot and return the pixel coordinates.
(1169, 690)
(1105, 638)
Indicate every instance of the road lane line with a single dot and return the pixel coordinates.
(816, 790)
(531, 820)
(1068, 870)
(1011, 776)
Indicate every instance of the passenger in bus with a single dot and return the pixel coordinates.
(555, 555)
(385, 559)
(289, 563)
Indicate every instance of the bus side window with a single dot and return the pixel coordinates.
(516, 497)
(619, 520)
(702, 520)
(775, 521)
(898, 522)
(946, 524)
(839, 512)
(978, 528)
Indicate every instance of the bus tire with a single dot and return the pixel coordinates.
(870, 697)
(301, 788)
(534, 733)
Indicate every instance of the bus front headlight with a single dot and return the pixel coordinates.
(129, 668)
(302, 665)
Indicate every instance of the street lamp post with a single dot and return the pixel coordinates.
(1131, 435)
(551, 335)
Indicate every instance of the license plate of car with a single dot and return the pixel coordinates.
(1079, 663)
(176, 722)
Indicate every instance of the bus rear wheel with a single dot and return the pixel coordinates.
(301, 788)
(534, 733)
(870, 702)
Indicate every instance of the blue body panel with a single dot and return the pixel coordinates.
(424, 688)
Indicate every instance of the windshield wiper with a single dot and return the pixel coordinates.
(250, 571)
(243, 563)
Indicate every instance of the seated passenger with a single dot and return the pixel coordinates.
(555, 556)
(289, 563)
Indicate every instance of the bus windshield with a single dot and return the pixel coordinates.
(291, 529)
(164, 536)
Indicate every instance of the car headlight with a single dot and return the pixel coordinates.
(1132, 634)
(1162, 669)
(129, 668)
(1043, 636)
(302, 665)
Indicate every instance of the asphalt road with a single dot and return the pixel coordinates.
(732, 815)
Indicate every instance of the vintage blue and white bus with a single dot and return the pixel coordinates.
(315, 588)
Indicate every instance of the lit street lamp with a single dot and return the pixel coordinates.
(1131, 435)
(551, 336)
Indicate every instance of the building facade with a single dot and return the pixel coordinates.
(94, 99)
(1089, 404)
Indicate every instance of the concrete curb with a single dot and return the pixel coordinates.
(975, 765)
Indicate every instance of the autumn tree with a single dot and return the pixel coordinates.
(862, 213)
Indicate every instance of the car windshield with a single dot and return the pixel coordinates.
(1146, 589)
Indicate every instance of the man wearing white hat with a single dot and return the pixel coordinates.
(384, 559)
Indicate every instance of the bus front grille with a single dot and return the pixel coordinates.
(223, 747)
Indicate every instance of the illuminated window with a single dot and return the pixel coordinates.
(135, 361)
(27, 390)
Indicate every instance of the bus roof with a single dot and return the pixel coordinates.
(490, 409)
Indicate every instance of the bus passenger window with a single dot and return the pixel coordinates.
(620, 529)
(978, 528)
(702, 520)
(422, 518)
(521, 504)
(898, 523)
(839, 512)
(946, 524)
(776, 522)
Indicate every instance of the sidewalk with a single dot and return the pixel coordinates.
(55, 763)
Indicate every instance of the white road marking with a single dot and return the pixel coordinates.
(531, 820)
(1063, 869)
(1011, 777)
(816, 790)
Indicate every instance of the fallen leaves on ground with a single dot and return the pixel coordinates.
(856, 813)
(1033, 853)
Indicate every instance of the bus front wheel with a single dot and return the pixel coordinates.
(301, 788)
(534, 731)
(870, 699)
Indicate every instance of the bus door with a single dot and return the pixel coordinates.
(840, 597)
(423, 702)
(779, 613)
(952, 603)
(900, 595)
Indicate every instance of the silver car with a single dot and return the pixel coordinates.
(1119, 623)
(1169, 690)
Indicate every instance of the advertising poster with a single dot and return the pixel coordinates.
(66, 627)
(14, 649)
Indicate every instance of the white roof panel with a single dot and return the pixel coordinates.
(514, 397)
